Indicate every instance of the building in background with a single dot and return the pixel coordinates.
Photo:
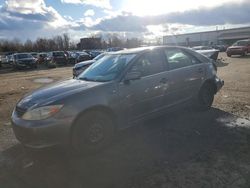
(89, 44)
(208, 38)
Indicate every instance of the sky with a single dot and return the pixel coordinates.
(144, 19)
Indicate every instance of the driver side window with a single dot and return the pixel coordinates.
(149, 64)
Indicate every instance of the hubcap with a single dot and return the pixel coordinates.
(95, 133)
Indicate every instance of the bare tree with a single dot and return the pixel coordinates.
(66, 41)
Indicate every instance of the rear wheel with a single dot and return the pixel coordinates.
(228, 55)
(206, 97)
(91, 132)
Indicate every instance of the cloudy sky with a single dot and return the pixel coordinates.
(146, 19)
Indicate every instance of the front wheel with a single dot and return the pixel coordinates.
(244, 53)
(206, 97)
(92, 132)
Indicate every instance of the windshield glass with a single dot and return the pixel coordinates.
(107, 68)
(58, 53)
(23, 56)
(240, 43)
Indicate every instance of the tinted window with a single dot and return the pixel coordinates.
(58, 53)
(150, 63)
(23, 56)
(178, 59)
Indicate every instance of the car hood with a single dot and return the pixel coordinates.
(55, 92)
(83, 63)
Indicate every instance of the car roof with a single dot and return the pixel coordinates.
(143, 49)
(247, 40)
(21, 53)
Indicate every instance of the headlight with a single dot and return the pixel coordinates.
(42, 112)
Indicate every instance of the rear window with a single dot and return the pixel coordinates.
(58, 54)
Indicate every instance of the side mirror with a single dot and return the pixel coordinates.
(135, 75)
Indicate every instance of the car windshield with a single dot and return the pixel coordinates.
(240, 43)
(107, 68)
(23, 56)
(58, 53)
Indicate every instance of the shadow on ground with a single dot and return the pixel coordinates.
(182, 149)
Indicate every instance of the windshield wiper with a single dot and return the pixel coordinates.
(85, 79)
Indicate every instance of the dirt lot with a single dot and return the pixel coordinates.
(182, 149)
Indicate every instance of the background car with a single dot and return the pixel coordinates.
(241, 47)
(80, 67)
(82, 56)
(94, 53)
(6, 61)
(56, 58)
(34, 54)
(220, 47)
(207, 51)
(23, 60)
(41, 58)
(71, 57)
(115, 49)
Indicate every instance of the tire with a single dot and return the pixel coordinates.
(206, 97)
(244, 53)
(228, 55)
(92, 132)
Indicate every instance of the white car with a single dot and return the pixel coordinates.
(207, 51)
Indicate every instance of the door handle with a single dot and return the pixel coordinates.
(164, 80)
(200, 70)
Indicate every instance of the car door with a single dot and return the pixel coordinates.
(145, 95)
(186, 75)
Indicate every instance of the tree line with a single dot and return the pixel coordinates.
(59, 42)
(63, 42)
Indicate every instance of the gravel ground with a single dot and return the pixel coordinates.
(181, 149)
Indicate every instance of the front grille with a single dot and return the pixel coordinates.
(20, 111)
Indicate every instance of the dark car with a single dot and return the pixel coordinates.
(23, 60)
(241, 47)
(94, 53)
(82, 56)
(220, 47)
(56, 58)
(80, 67)
(114, 93)
(41, 58)
(115, 49)
(71, 57)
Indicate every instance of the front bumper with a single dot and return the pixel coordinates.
(42, 133)
(219, 83)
